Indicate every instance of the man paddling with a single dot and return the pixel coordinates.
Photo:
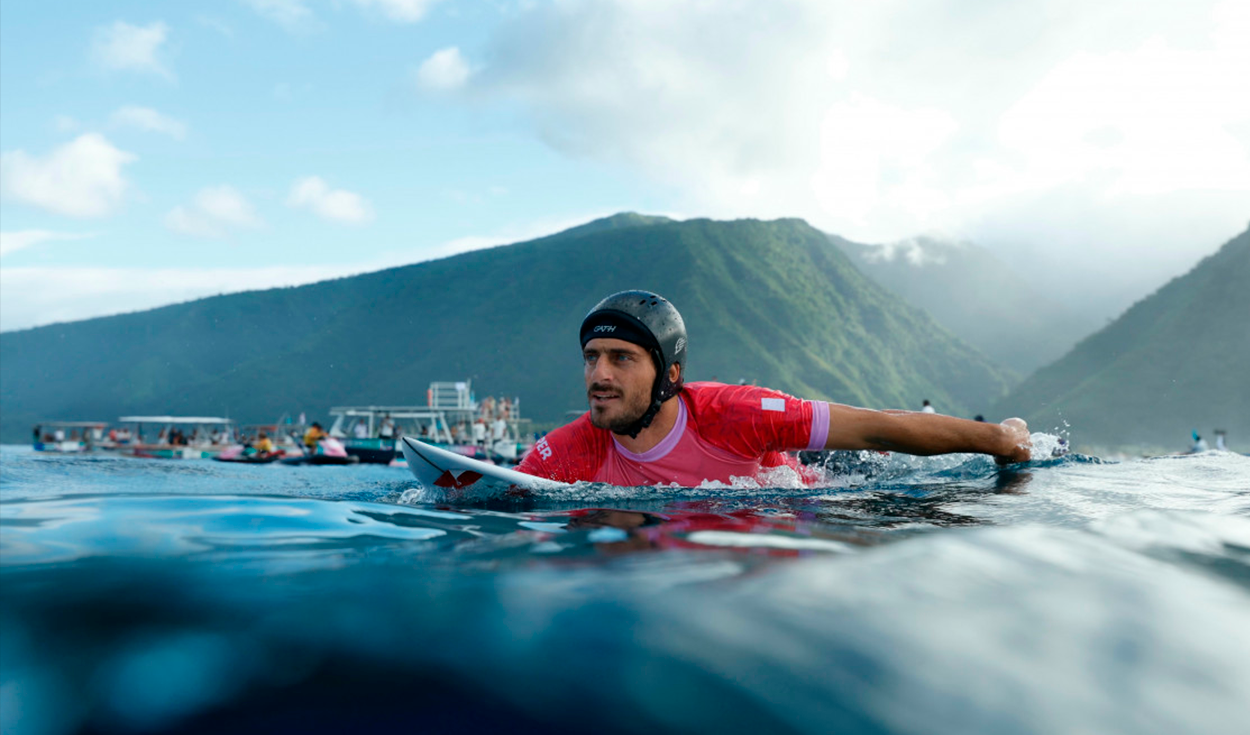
(646, 426)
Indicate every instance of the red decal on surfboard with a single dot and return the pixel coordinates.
(466, 478)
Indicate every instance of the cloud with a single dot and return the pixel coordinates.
(882, 120)
(82, 178)
(293, 15)
(404, 11)
(216, 211)
(11, 242)
(296, 16)
(216, 25)
(337, 205)
(149, 120)
(444, 70)
(123, 47)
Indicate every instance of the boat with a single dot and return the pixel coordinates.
(178, 437)
(286, 435)
(258, 458)
(70, 437)
(240, 454)
(452, 419)
(320, 459)
(330, 451)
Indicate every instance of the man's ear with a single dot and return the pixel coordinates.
(674, 372)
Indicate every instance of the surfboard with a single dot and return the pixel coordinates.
(461, 477)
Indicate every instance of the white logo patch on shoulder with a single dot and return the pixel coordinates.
(773, 404)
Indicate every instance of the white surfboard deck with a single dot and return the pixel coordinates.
(459, 476)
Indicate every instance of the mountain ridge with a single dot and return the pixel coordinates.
(774, 302)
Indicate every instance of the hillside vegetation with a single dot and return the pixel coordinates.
(770, 302)
(1175, 362)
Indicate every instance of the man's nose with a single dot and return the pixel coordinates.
(601, 372)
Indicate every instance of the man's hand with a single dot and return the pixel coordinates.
(1016, 438)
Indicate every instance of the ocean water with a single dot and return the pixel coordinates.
(940, 595)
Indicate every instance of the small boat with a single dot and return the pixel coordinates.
(320, 459)
(70, 437)
(252, 458)
(239, 454)
(179, 437)
(330, 451)
(453, 419)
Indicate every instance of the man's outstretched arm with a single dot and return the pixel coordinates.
(925, 434)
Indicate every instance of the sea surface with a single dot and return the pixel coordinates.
(941, 595)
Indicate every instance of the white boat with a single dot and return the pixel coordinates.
(178, 437)
(452, 419)
(70, 437)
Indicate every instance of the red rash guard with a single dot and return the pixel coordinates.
(722, 432)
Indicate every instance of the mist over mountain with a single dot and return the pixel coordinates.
(1175, 362)
(771, 302)
(977, 297)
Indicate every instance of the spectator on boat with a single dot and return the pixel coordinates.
(58, 435)
(386, 430)
(263, 445)
(479, 432)
(647, 426)
(314, 434)
(499, 429)
(360, 429)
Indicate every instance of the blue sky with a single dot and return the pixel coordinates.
(155, 152)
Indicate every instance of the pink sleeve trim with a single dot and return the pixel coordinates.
(820, 426)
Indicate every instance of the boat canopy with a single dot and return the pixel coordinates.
(174, 420)
(73, 424)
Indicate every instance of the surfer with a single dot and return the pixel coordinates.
(647, 426)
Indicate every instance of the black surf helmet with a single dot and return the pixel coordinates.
(651, 322)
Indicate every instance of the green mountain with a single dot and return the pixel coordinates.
(772, 302)
(1175, 362)
(976, 296)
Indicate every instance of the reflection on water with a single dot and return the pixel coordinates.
(913, 597)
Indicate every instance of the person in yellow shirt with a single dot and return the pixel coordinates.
(314, 434)
(263, 445)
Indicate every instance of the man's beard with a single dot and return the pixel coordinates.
(624, 423)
